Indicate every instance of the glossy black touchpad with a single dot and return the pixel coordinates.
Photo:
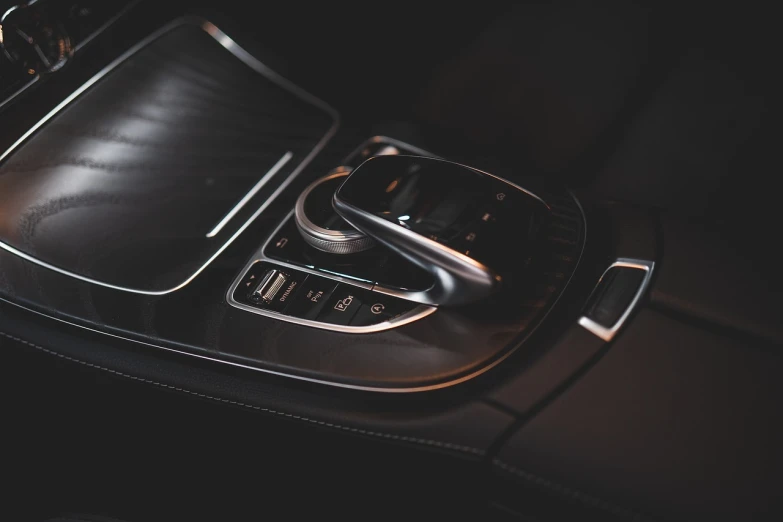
(143, 178)
(430, 197)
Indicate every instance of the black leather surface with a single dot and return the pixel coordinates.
(675, 421)
(633, 232)
(82, 439)
(570, 353)
(125, 183)
(705, 275)
(466, 428)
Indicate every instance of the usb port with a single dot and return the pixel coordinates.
(267, 289)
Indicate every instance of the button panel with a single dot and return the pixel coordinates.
(335, 291)
(313, 300)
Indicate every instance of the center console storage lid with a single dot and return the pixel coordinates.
(145, 174)
(672, 412)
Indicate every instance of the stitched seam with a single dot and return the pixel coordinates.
(388, 436)
(580, 496)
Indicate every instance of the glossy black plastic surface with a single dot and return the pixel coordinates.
(128, 183)
(428, 196)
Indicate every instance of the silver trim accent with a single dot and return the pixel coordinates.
(414, 315)
(332, 241)
(268, 294)
(607, 334)
(475, 280)
(10, 98)
(10, 10)
(252, 192)
(250, 61)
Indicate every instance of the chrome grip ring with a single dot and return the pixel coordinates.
(343, 241)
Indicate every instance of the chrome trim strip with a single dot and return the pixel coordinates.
(253, 191)
(10, 10)
(250, 61)
(607, 334)
(26, 86)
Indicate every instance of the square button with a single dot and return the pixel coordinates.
(311, 297)
(379, 308)
(343, 305)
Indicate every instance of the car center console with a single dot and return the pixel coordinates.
(177, 213)
(412, 272)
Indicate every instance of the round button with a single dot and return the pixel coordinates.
(320, 226)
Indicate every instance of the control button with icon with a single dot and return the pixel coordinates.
(310, 300)
(380, 309)
(343, 304)
(289, 292)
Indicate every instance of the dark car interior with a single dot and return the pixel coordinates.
(497, 261)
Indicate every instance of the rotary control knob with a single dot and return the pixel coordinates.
(318, 223)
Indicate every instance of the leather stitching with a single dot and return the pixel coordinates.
(527, 476)
(377, 434)
(574, 494)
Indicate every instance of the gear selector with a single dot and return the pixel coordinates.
(467, 228)
(395, 234)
